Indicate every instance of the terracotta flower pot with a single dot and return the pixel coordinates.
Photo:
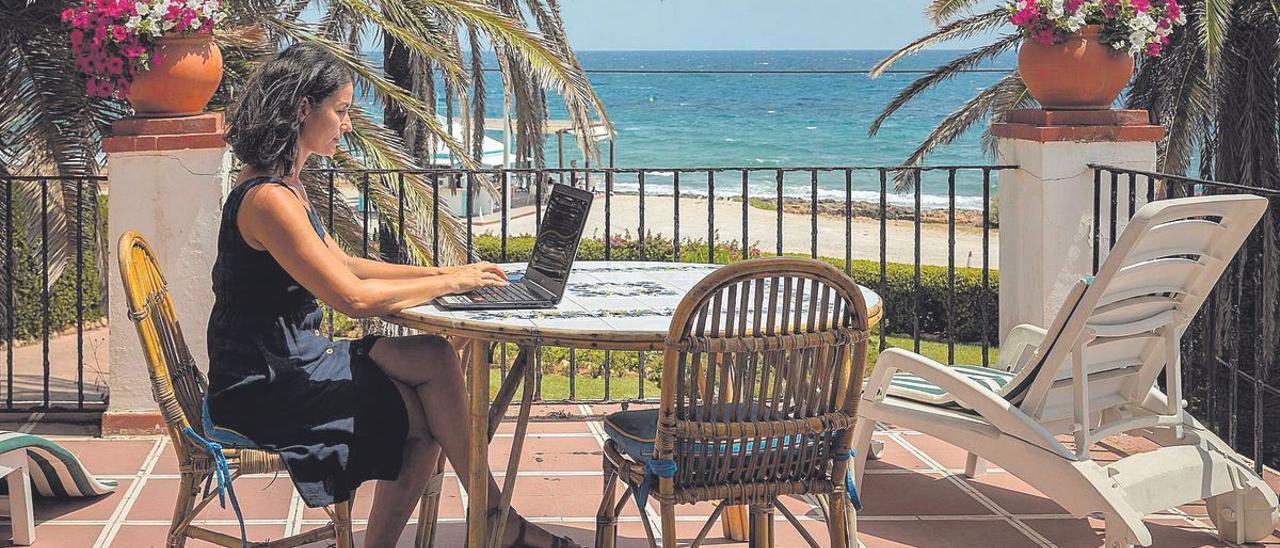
(1079, 74)
(182, 80)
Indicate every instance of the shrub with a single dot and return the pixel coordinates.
(897, 291)
(27, 304)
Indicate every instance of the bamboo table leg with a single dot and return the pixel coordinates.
(477, 479)
(733, 521)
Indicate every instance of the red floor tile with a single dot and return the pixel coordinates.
(895, 456)
(945, 454)
(548, 454)
(111, 457)
(1088, 533)
(915, 494)
(564, 427)
(93, 508)
(899, 490)
(149, 536)
(557, 496)
(877, 534)
(260, 498)
(1014, 495)
(50, 535)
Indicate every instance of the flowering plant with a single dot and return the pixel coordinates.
(113, 40)
(1132, 26)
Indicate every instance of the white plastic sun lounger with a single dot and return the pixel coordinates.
(1091, 374)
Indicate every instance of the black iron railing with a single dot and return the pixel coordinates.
(1229, 350)
(52, 232)
(945, 307)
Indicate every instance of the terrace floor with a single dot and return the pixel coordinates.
(915, 496)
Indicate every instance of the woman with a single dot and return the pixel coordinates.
(338, 412)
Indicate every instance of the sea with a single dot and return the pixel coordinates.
(762, 120)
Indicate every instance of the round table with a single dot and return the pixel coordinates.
(608, 305)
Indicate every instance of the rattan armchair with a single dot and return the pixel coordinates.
(761, 378)
(179, 388)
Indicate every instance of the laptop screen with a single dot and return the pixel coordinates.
(558, 237)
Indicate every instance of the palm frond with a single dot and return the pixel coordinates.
(941, 74)
(959, 29)
(535, 56)
(1008, 91)
(383, 89)
(941, 11)
(1176, 90)
(477, 95)
(378, 148)
(1214, 19)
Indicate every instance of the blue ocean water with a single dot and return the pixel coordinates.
(765, 120)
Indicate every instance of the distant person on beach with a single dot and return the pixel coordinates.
(338, 412)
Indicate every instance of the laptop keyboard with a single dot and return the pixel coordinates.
(505, 293)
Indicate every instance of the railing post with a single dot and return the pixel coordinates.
(1046, 204)
(168, 178)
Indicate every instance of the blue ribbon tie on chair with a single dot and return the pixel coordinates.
(223, 474)
(222, 471)
(849, 486)
(653, 468)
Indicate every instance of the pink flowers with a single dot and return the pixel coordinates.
(1026, 16)
(1131, 26)
(113, 40)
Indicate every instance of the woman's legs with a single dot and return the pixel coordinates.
(432, 368)
(394, 501)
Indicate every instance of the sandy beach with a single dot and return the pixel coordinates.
(659, 212)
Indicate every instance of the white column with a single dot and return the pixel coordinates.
(1047, 203)
(168, 179)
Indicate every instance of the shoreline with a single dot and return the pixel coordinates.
(797, 228)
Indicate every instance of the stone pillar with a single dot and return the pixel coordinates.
(1046, 204)
(168, 179)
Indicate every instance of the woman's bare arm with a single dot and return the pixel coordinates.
(275, 220)
(369, 269)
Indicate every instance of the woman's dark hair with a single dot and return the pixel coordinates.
(264, 126)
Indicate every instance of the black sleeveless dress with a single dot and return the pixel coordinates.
(330, 412)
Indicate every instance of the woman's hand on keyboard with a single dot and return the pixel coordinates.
(466, 279)
(489, 267)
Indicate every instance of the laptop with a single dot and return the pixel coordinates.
(544, 279)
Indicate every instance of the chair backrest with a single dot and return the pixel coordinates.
(177, 384)
(1119, 330)
(763, 368)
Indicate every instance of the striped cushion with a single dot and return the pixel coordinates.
(911, 387)
(55, 472)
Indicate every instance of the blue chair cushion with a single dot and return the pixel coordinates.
(636, 431)
(225, 437)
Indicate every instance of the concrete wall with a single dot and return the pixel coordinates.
(174, 199)
(1046, 219)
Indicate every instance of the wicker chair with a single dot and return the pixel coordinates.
(759, 387)
(179, 387)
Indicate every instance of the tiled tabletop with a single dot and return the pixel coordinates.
(601, 296)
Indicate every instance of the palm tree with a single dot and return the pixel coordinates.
(1181, 88)
(1215, 90)
(49, 126)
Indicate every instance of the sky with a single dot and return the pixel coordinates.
(748, 24)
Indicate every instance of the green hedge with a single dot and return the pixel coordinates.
(898, 290)
(28, 315)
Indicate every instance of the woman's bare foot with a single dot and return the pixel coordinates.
(521, 533)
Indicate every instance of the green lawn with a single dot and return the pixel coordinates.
(622, 384)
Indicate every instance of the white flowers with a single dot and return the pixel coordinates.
(156, 17)
(1056, 9)
(1135, 26)
(1076, 21)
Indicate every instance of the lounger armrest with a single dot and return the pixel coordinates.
(991, 406)
(1023, 340)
